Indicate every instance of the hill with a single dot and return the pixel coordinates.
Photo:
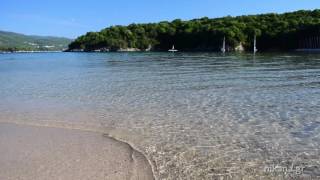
(10, 41)
(286, 31)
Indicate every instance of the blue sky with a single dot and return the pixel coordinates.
(71, 18)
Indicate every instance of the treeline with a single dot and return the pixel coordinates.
(21, 48)
(13, 49)
(273, 32)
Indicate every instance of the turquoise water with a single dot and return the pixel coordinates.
(194, 115)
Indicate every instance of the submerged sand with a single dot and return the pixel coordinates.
(29, 152)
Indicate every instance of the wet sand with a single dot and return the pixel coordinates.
(32, 152)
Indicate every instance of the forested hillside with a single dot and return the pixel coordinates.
(273, 32)
(10, 41)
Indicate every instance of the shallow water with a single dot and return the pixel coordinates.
(195, 115)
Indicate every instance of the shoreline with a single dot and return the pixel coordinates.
(163, 51)
(10, 52)
(142, 167)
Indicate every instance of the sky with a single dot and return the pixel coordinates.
(71, 18)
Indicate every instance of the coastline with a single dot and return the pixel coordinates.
(135, 50)
(9, 52)
(70, 148)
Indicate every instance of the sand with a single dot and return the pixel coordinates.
(32, 152)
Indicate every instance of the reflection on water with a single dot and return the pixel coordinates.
(198, 115)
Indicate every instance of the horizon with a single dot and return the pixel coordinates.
(77, 18)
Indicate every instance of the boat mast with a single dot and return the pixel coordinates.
(255, 44)
(223, 49)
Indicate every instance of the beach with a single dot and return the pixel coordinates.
(192, 115)
(35, 152)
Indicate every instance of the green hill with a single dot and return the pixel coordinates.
(273, 32)
(10, 41)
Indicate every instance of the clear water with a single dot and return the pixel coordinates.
(195, 116)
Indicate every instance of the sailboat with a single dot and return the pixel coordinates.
(172, 49)
(223, 49)
(255, 44)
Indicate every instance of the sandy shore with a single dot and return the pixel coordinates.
(28, 152)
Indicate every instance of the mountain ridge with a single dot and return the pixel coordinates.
(12, 41)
